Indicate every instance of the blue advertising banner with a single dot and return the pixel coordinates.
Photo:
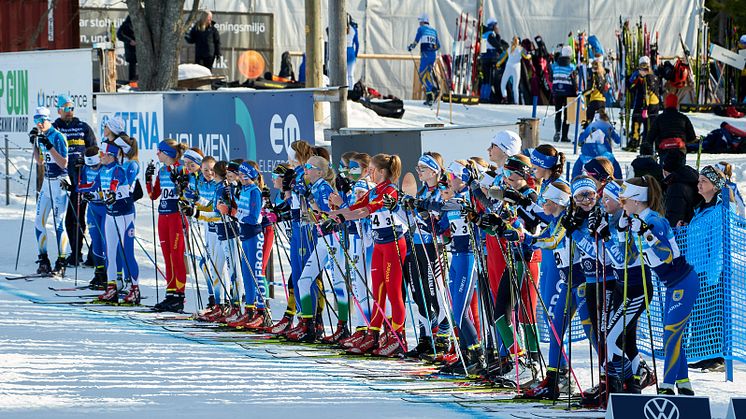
(257, 126)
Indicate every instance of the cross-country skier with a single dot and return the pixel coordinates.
(95, 216)
(596, 141)
(112, 186)
(643, 86)
(512, 71)
(427, 37)
(171, 222)
(50, 149)
(353, 46)
(642, 201)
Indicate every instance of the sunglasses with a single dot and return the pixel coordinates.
(309, 166)
(275, 176)
(39, 120)
(68, 108)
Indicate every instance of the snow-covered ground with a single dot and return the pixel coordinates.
(84, 361)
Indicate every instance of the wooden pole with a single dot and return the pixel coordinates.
(314, 52)
(338, 62)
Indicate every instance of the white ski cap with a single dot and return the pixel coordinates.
(644, 61)
(566, 51)
(742, 41)
(423, 18)
(491, 21)
(507, 141)
(42, 112)
(115, 125)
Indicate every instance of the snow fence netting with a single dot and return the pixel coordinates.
(715, 245)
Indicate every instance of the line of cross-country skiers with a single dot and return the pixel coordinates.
(473, 251)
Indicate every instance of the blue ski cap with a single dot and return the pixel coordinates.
(612, 190)
(42, 112)
(428, 161)
(491, 21)
(742, 41)
(583, 185)
(63, 99)
(423, 18)
(542, 160)
(248, 170)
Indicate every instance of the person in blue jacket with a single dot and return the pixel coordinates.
(50, 149)
(113, 188)
(642, 200)
(596, 141)
(95, 217)
(427, 37)
(564, 86)
(353, 46)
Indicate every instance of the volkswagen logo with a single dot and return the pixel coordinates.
(660, 408)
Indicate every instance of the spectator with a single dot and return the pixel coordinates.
(643, 86)
(79, 137)
(680, 183)
(727, 170)
(646, 165)
(669, 124)
(206, 39)
(563, 87)
(596, 141)
(126, 34)
(597, 88)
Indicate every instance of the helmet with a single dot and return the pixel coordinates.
(423, 18)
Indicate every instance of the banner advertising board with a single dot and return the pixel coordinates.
(249, 125)
(36, 78)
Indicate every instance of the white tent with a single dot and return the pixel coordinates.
(387, 26)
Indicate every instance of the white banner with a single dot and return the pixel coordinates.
(31, 79)
(142, 114)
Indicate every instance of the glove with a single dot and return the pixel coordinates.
(32, 135)
(469, 214)
(79, 162)
(411, 46)
(594, 219)
(265, 193)
(409, 202)
(489, 221)
(271, 217)
(88, 196)
(189, 211)
(572, 222)
(110, 198)
(65, 185)
(636, 225)
(327, 226)
(512, 196)
(389, 202)
(343, 184)
(623, 223)
(287, 180)
(149, 172)
(603, 230)
(42, 139)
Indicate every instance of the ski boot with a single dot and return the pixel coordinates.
(666, 390)
(395, 346)
(59, 267)
(173, 303)
(424, 346)
(212, 314)
(73, 261)
(429, 98)
(647, 377)
(45, 267)
(353, 339)
(133, 296)
(338, 334)
(557, 136)
(99, 279)
(283, 326)
(240, 321)
(111, 295)
(684, 387)
(260, 321)
(210, 302)
(366, 344)
(547, 389)
(473, 360)
(304, 332)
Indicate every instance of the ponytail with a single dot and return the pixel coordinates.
(655, 193)
(389, 162)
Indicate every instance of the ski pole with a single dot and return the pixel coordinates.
(25, 203)
(647, 309)
(155, 250)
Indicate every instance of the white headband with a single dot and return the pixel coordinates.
(92, 160)
(123, 145)
(638, 193)
(556, 195)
